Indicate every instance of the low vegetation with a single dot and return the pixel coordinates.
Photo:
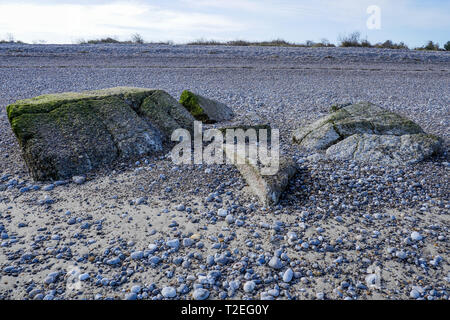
(10, 39)
(273, 43)
(135, 39)
(352, 40)
(447, 46)
(430, 46)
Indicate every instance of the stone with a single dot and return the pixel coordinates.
(288, 275)
(187, 242)
(371, 280)
(416, 236)
(131, 296)
(222, 212)
(69, 134)
(83, 277)
(169, 292)
(137, 255)
(275, 263)
(204, 109)
(174, 243)
(200, 294)
(414, 294)
(79, 179)
(249, 286)
(367, 133)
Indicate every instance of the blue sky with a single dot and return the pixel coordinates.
(411, 21)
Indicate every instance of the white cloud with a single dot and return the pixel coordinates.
(183, 20)
(71, 21)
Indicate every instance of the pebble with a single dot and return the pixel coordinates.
(414, 294)
(249, 286)
(137, 255)
(416, 236)
(169, 292)
(83, 276)
(187, 242)
(371, 280)
(79, 179)
(288, 275)
(200, 294)
(131, 296)
(275, 263)
(222, 212)
(174, 243)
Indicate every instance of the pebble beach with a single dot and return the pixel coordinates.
(154, 230)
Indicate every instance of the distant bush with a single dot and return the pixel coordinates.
(354, 40)
(10, 39)
(366, 44)
(272, 43)
(388, 44)
(430, 46)
(104, 40)
(447, 46)
(204, 42)
(137, 38)
(16, 41)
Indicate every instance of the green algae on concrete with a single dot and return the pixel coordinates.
(205, 109)
(190, 102)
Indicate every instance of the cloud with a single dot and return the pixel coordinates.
(184, 20)
(26, 20)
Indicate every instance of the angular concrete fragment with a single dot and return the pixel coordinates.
(268, 188)
(67, 134)
(204, 109)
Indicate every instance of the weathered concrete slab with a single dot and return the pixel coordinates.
(67, 134)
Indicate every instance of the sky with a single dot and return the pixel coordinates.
(411, 21)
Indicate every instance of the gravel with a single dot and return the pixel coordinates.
(153, 230)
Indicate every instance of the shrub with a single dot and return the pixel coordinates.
(366, 44)
(447, 46)
(99, 41)
(104, 40)
(204, 42)
(352, 40)
(388, 44)
(11, 39)
(137, 38)
(431, 46)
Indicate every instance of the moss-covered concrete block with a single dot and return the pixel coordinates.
(204, 109)
(71, 133)
(367, 133)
